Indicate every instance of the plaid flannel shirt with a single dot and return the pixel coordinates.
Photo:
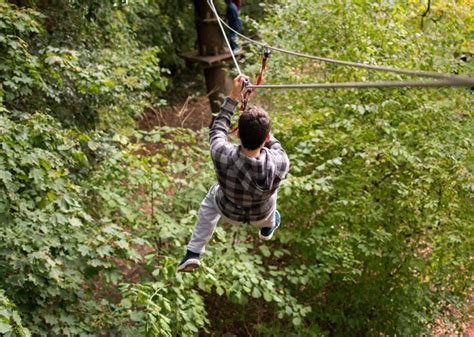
(248, 185)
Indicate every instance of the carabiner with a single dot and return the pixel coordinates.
(266, 52)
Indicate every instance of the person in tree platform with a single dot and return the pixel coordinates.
(248, 177)
(233, 19)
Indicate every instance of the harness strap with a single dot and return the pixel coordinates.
(245, 95)
(266, 55)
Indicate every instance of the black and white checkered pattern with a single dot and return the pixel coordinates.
(248, 185)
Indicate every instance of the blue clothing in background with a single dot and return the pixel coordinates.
(233, 18)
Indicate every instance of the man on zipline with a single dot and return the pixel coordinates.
(248, 177)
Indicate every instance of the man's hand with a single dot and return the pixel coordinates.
(237, 87)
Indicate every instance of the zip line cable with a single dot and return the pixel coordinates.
(366, 85)
(448, 80)
(419, 73)
(211, 4)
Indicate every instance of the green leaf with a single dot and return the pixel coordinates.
(75, 222)
(267, 296)
(37, 175)
(265, 251)
(4, 327)
(53, 60)
(6, 177)
(296, 321)
(137, 316)
(256, 293)
(126, 303)
(93, 145)
(220, 291)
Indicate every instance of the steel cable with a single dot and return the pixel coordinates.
(213, 8)
(366, 85)
(449, 80)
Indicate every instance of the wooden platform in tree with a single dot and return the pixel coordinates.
(208, 60)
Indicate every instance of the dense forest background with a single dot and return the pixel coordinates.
(378, 231)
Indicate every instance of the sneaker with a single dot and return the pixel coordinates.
(266, 233)
(189, 262)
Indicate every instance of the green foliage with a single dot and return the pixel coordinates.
(106, 87)
(10, 321)
(379, 188)
(166, 193)
(46, 229)
(166, 307)
(20, 72)
(165, 23)
(377, 228)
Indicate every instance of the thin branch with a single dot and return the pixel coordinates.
(425, 13)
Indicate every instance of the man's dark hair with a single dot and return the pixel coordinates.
(254, 126)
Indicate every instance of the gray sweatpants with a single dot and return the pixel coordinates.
(208, 217)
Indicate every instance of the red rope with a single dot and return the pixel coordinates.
(247, 91)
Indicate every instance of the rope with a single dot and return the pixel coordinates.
(365, 85)
(418, 73)
(211, 4)
(266, 55)
(248, 89)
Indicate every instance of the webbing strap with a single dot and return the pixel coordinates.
(266, 55)
(248, 90)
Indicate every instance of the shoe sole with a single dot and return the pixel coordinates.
(189, 266)
(269, 237)
(265, 238)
